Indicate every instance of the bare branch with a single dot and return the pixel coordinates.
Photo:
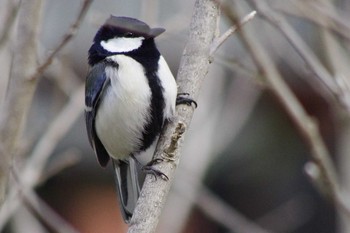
(11, 15)
(210, 204)
(193, 68)
(67, 37)
(338, 60)
(42, 151)
(23, 79)
(219, 41)
(42, 210)
(221, 212)
(303, 50)
(317, 17)
(20, 91)
(57, 129)
(307, 125)
(67, 159)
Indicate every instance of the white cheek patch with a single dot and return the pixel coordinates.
(120, 45)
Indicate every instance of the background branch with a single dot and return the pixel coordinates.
(35, 165)
(326, 176)
(220, 40)
(41, 209)
(20, 89)
(303, 50)
(10, 16)
(66, 38)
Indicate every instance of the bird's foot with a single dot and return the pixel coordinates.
(149, 169)
(183, 98)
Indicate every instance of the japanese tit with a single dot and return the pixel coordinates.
(130, 93)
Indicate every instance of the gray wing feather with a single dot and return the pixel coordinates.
(128, 187)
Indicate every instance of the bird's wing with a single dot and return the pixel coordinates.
(96, 82)
(128, 187)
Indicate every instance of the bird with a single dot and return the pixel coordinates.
(130, 93)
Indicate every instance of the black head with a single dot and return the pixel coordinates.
(121, 35)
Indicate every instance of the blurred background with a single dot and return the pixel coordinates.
(242, 167)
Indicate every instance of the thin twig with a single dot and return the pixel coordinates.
(302, 49)
(193, 68)
(337, 60)
(66, 38)
(219, 41)
(331, 15)
(317, 18)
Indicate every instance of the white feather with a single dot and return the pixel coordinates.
(124, 109)
(170, 87)
(121, 44)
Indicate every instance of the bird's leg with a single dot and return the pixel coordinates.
(149, 169)
(183, 98)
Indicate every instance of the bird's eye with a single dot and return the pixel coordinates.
(128, 34)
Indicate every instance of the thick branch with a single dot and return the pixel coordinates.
(193, 68)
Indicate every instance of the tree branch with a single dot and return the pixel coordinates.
(23, 80)
(219, 41)
(326, 175)
(35, 165)
(227, 216)
(193, 68)
(304, 51)
(11, 15)
(41, 209)
(20, 90)
(66, 38)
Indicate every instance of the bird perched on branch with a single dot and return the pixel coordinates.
(130, 93)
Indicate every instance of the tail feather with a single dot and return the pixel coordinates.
(128, 187)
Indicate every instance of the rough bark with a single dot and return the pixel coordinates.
(194, 67)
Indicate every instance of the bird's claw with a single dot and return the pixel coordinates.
(183, 98)
(149, 169)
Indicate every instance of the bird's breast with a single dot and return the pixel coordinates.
(124, 109)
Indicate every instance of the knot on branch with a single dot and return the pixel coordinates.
(177, 134)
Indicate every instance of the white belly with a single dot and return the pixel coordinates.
(124, 110)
